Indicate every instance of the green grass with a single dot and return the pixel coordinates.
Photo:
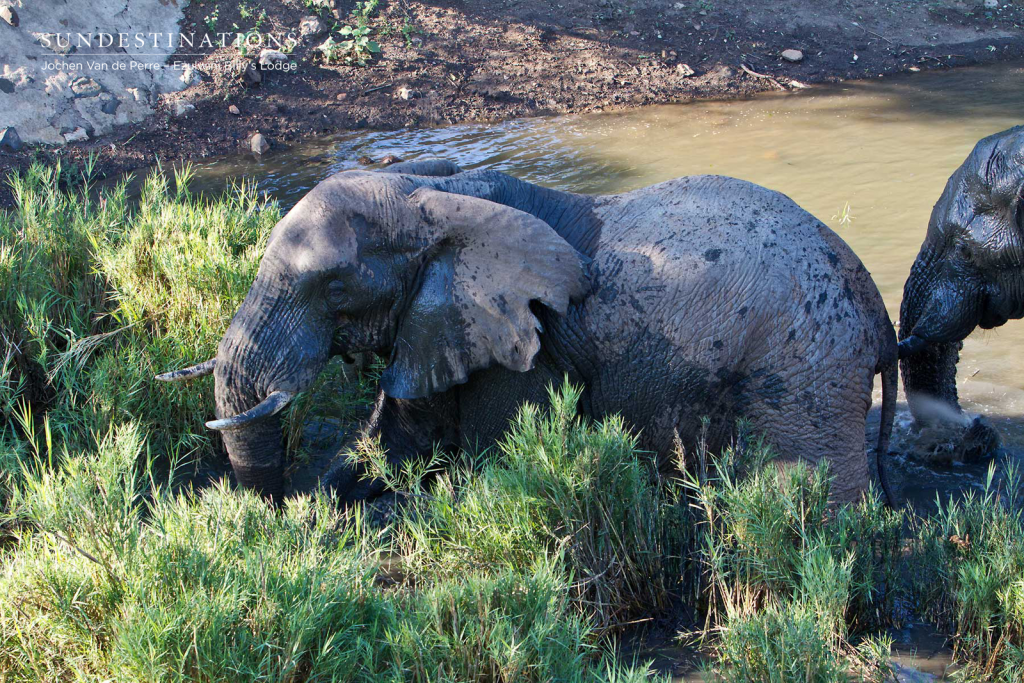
(97, 296)
(114, 577)
(968, 575)
(557, 486)
(522, 563)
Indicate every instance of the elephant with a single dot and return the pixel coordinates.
(698, 297)
(969, 273)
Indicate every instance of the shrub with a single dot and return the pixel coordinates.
(966, 575)
(557, 485)
(770, 536)
(780, 644)
(114, 577)
(99, 295)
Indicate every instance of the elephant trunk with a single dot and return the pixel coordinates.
(939, 309)
(264, 359)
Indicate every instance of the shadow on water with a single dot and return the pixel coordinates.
(868, 158)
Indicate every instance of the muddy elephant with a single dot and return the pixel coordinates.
(969, 273)
(701, 296)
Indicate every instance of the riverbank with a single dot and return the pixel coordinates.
(449, 61)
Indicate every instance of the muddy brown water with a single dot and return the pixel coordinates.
(868, 158)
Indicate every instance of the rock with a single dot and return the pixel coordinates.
(9, 138)
(903, 674)
(258, 144)
(679, 5)
(9, 15)
(270, 57)
(191, 76)
(685, 70)
(234, 110)
(182, 108)
(792, 55)
(86, 87)
(989, 4)
(77, 135)
(391, 159)
(311, 27)
(722, 74)
(140, 93)
(109, 104)
(364, 160)
(44, 106)
(406, 93)
(251, 75)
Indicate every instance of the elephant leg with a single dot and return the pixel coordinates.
(489, 403)
(406, 429)
(825, 421)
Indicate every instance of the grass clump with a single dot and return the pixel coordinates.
(785, 581)
(779, 644)
(115, 577)
(557, 486)
(967, 570)
(99, 295)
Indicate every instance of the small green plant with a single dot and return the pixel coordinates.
(356, 50)
(844, 216)
(408, 30)
(321, 7)
(211, 19)
(242, 41)
(363, 11)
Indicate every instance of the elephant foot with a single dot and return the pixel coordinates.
(944, 442)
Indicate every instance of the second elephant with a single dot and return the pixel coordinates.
(701, 296)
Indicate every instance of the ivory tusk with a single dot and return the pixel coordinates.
(271, 405)
(201, 370)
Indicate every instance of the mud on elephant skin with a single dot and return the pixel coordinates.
(700, 296)
(969, 273)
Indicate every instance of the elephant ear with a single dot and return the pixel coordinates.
(486, 262)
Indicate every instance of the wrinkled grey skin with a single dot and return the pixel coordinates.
(968, 274)
(701, 296)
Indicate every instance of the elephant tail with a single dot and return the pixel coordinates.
(889, 376)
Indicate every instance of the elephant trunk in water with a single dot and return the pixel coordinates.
(939, 309)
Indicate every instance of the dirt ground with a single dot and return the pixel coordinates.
(449, 61)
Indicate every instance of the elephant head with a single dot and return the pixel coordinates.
(969, 272)
(439, 283)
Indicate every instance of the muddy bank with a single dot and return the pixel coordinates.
(452, 61)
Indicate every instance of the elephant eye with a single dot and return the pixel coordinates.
(336, 291)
